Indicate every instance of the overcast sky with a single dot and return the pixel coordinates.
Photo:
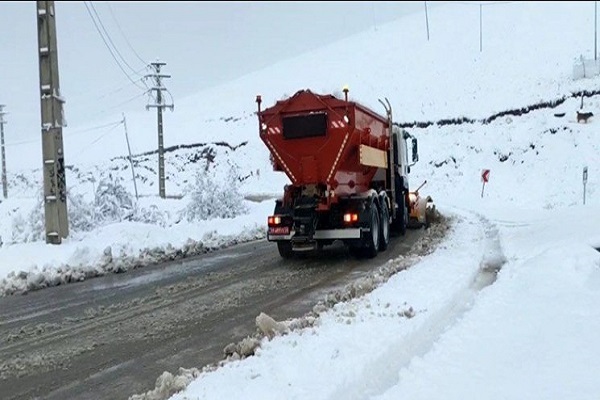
(203, 44)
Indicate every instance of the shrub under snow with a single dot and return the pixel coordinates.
(208, 198)
(81, 214)
(29, 228)
(112, 201)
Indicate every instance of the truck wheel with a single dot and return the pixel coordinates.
(372, 244)
(384, 234)
(285, 249)
(401, 222)
(404, 220)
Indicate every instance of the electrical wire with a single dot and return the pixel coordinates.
(68, 133)
(123, 33)
(100, 28)
(128, 101)
(88, 93)
(170, 95)
(86, 147)
(109, 38)
(119, 89)
(101, 112)
(108, 47)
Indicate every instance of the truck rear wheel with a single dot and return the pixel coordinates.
(285, 249)
(384, 235)
(401, 221)
(404, 220)
(372, 245)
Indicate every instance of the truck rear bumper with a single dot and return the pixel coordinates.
(324, 234)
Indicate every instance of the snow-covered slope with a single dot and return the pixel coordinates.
(529, 49)
(530, 215)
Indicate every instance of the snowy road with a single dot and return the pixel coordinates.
(111, 337)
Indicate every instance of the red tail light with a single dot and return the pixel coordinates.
(274, 220)
(350, 217)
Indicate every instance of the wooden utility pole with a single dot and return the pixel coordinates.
(130, 157)
(159, 105)
(4, 180)
(55, 188)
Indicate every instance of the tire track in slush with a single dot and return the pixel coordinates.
(400, 354)
(209, 297)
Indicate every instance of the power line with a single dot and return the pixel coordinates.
(95, 128)
(117, 89)
(142, 79)
(109, 38)
(170, 95)
(111, 124)
(126, 101)
(104, 134)
(108, 47)
(87, 146)
(137, 96)
(123, 33)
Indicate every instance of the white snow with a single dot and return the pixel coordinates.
(505, 308)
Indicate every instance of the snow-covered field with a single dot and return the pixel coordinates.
(506, 307)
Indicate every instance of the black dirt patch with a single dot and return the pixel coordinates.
(514, 112)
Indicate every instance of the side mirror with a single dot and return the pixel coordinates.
(415, 150)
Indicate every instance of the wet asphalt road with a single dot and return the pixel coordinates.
(112, 336)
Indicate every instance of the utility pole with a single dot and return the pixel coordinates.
(55, 188)
(130, 158)
(427, 21)
(4, 180)
(480, 27)
(159, 105)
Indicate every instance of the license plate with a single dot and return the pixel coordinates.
(279, 230)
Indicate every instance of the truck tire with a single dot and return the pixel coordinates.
(384, 234)
(401, 222)
(372, 238)
(404, 220)
(285, 249)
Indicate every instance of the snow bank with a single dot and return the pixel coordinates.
(344, 348)
(120, 247)
(534, 332)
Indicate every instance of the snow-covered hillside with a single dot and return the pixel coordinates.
(473, 332)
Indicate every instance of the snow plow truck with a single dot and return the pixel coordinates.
(348, 167)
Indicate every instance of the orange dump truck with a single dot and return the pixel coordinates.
(348, 168)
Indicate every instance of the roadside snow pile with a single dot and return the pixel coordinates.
(268, 328)
(115, 233)
(206, 198)
(119, 259)
(168, 384)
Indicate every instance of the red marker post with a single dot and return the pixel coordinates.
(485, 177)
